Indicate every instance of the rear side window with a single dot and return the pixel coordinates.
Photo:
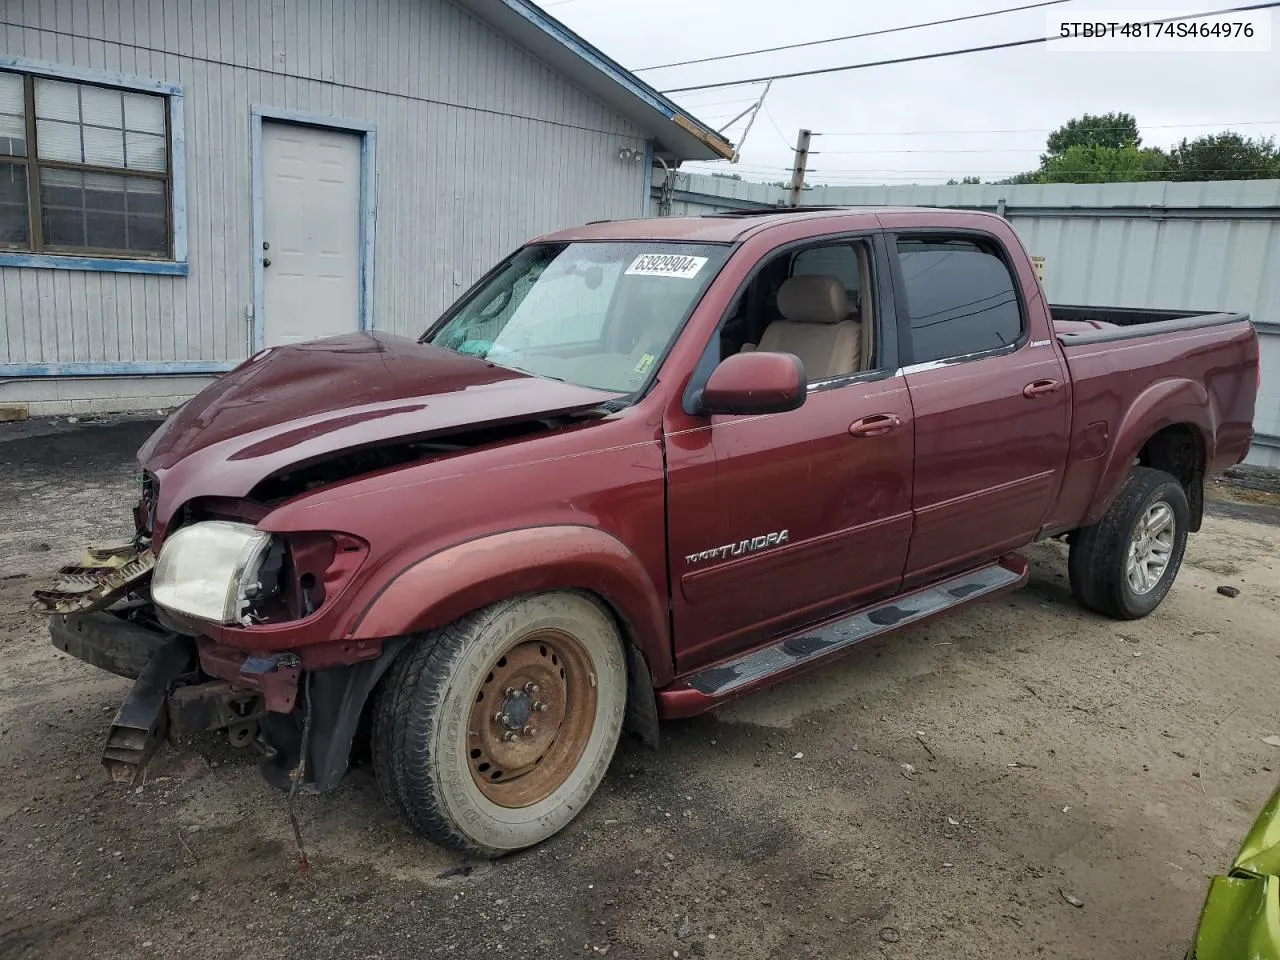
(961, 298)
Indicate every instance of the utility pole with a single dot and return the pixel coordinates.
(798, 171)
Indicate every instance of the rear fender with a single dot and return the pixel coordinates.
(444, 586)
(1163, 404)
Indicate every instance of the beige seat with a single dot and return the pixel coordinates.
(815, 327)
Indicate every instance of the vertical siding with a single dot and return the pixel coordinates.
(1223, 254)
(479, 147)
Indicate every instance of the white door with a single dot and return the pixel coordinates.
(310, 232)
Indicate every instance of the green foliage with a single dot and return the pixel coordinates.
(1225, 156)
(953, 181)
(727, 176)
(1099, 164)
(1108, 149)
(1114, 130)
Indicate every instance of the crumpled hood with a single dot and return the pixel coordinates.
(299, 404)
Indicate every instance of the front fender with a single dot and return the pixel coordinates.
(1164, 404)
(446, 585)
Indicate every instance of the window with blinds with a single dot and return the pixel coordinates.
(85, 170)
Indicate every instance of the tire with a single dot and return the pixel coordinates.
(1102, 577)
(491, 734)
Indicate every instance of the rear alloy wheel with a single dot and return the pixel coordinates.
(492, 734)
(1124, 565)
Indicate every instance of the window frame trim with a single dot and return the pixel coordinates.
(906, 338)
(176, 262)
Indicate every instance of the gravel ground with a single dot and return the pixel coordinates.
(1051, 754)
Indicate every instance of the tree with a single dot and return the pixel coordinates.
(963, 180)
(1099, 164)
(1225, 156)
(728, 176)
(1104, 130)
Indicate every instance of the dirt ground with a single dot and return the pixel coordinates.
(1052, 753)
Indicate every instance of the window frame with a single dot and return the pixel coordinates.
(906, 336)
(174, 261)
(887, 336)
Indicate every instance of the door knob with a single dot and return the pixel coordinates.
(266, 261)
(875, 425)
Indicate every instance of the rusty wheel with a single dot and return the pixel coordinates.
(491, 734)
(532, 718)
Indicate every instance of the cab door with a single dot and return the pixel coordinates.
(780, 520)
(991, 397)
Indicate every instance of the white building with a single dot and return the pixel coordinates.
(185, 182)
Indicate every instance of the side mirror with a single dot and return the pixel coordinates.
(753, 383)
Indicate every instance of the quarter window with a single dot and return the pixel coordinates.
(961, 298)
(84, 169)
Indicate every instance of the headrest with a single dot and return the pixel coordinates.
(813, 299)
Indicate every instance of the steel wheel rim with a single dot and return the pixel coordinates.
(531, 718)
(1150, 548)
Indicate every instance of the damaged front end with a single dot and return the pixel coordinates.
(226, 629)
(101, 611)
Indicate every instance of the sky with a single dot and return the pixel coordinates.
(984, 114)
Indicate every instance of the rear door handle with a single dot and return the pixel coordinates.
(875, 425)
(1041, 388)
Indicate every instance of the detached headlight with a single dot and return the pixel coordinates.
(209, 570)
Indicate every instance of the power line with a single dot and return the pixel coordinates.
(781, 136)
(852, 36)
(947, 53)
(962, 133)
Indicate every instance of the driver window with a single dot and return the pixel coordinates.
(809, 303)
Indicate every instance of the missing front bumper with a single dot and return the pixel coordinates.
(171, 695)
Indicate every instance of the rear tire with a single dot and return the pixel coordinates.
(1123, 565)
(491, 734)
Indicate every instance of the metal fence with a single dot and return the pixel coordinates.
(1207, 246)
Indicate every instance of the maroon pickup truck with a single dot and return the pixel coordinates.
(640, 468)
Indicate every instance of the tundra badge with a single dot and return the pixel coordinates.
(740, 548)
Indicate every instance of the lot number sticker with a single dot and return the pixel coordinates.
(666, 265)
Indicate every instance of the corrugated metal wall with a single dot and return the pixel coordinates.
(1201, 246)
(479, 147)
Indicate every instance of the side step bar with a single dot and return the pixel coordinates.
(783, 658)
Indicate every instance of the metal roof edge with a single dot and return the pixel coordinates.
(624, 78)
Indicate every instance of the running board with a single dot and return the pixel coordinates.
(769, 664)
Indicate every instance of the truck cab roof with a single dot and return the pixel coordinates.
(735, 227)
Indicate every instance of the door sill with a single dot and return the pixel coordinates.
(804, 649)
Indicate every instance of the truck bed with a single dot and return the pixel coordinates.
(1080, 324)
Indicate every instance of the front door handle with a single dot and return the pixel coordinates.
(1041, 388)
(875, 425)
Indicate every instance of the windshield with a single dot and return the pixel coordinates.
(594, 314)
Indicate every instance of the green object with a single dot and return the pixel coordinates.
(1241, 915)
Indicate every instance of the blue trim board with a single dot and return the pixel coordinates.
(610, 68)
(178, 176)
(47, 261)
(106, 78)
(648, 178)
(117, 368)
(368, 223)
(177, 267)
(368, 204)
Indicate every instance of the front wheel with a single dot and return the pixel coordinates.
(491, 734)
(1123, 565)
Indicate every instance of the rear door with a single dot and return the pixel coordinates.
(991, 400)
(778, 520)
